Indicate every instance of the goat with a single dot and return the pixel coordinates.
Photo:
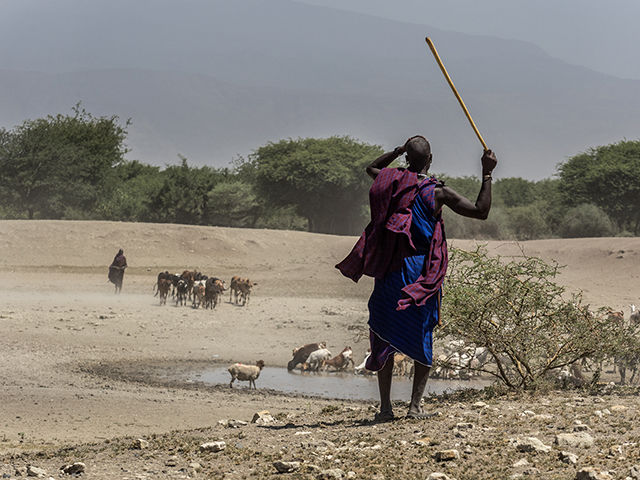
(301, 354)
(315, 359)
(341, 361)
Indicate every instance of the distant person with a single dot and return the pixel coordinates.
(116, 270)
(404, 248)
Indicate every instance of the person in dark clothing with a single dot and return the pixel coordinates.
(116, 270)
(404, 248)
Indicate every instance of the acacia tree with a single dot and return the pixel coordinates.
(608, 177)
(324, 179)
(184, 193)
(511, 309)
(59, 163)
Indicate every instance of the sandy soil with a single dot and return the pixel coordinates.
(83, 370)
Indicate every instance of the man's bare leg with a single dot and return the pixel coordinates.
(420, 377)
(384, 385)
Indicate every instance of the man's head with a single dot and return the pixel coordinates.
(120, 252)
(418, 153)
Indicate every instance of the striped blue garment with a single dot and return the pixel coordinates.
(408, 331)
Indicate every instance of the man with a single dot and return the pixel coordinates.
(116, 270)
(405, 250)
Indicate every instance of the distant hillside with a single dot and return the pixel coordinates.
(210, 80)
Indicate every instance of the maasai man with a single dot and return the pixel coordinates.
(116, 270)
(405, 250)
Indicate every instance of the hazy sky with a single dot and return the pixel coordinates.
(601, 35)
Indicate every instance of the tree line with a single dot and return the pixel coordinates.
(74, 167)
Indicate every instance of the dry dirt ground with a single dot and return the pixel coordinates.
(86, 373)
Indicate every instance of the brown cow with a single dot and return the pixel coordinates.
(199, 291)
(164, 286)
(233, 288)
(301, 354)
(190, 278)
(245, 287)
(240, 288)
(213, 289)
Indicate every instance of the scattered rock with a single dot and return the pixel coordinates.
(36, 472)
(479, 405)
(213, 447)
(196, 467)
(263, 418)
(530, 444)
(532, 472)
(140, 444)
(523, 462)
(579, 439)
(286, 467)
(171, 461)
(236, 423)
(446, 455)
(615, 451)
(618, 408)
(330, 474)
(568, 457)
(319, 446)
(581, 428)
(590, 473)
(465, 426)
(635, 472)
(74, 469)
(438, 476)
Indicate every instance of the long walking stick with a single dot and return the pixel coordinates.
(455, 92)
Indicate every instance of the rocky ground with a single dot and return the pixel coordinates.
(552, 436)
(93, 378)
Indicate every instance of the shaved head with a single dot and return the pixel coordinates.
(418, 153)
(418, 146)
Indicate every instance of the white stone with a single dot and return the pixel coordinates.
(590, 473)
(36, 472)
(438, 476)
(568, 457)
(213, 446)
(578, 439)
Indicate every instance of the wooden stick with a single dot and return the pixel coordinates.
(455, 92)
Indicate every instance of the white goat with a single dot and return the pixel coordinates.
(315, 358)
(246, 372)
(360, 369)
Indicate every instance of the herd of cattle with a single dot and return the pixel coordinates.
(201, 290)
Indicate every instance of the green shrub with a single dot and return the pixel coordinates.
(586, 220)
(529, 328)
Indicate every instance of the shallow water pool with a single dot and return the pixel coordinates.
(344, 385)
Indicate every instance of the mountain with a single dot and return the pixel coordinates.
(214, 79)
